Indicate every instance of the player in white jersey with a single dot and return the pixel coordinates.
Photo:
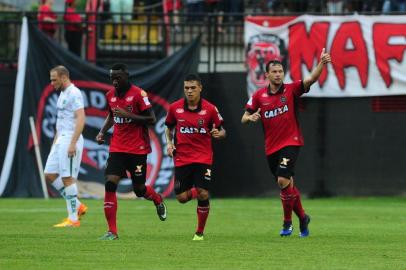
(63, 163)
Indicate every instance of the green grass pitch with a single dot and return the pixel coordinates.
(346, 233)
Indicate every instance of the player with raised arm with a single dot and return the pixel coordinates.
(276, 107)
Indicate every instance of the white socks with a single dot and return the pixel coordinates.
(58, 185)
(71, 201)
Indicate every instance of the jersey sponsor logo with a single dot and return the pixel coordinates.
(160, 167)
(129, 99)
(192, 130)
(121, 120)
(276, 112)
(264, 95)
(180, 110)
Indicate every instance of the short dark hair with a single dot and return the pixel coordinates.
(273, 62)
(120, 66)
(60, 70)
(193, 77)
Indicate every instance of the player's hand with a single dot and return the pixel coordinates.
(255, 116)
(325, 57)
(170, 149)
(214, 132)
(100, 138)
(120, 112)
(72, 150)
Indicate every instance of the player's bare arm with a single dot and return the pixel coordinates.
(108, 123)
(251, 117)
(146, 117)
(315, 74)
(170, 147)
(218, 133)
(80, 124)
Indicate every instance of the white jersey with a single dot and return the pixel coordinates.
(69, 101)
(58, 162)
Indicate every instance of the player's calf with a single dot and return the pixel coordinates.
(304, 226)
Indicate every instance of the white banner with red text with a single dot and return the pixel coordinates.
(367, 52)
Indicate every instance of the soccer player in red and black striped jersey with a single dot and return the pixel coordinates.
(130, 112)
(275, 105)
(191, 124)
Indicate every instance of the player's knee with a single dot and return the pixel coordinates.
(139, 189)
(112, 178)
(203, 203)
(283, 182)
(67, 181)
(50, 177)
(182, 198)
(203, 194)
(110, 186)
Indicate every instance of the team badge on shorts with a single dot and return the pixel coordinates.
(285, 161)
(207, 175)
(138, 169)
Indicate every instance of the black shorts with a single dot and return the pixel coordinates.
(282, 163)
(119, 163)
(192, 175)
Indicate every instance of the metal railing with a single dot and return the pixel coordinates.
(148, 37)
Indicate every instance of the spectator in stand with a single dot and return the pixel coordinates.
(172, 7)
(401, 5)
(351, 6)
(271, 6)
(122, 14)
(394, 6)
(47, 18)
(234, 7)
(73, 27)
(217, 6)
(194, 8)
(335, 6)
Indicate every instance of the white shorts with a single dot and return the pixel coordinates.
(58, 161)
